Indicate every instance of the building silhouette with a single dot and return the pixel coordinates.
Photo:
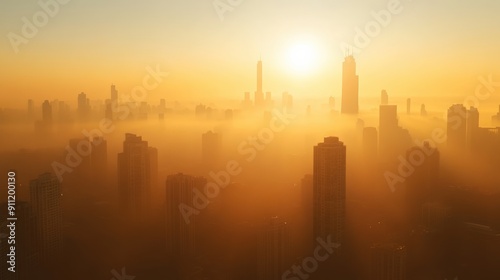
(350, 84)
(384, 98)
(259, 93)
(393, 140)
(273, 252)
(329, 190)
(46, 112)
(83, 106)
(114, 94)
(211, 147)
(46, 198)
(182, 238)
(457, 127)
(423, 183)
(388, 262)
(136, 176)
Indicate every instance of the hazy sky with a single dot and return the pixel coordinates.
(430, 47)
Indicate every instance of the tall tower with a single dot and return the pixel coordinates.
(182, 228)
(273, 250)
(388, 261)
(46, 196)
(259, 94)
(457, 127)
(135, 175)
(350, 84)
(46, 112)
(329, 190)
(114, 93)
(210, 149)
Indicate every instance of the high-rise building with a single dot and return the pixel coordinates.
(114, 94)
(182, 227)
(496, 118)
(329, 190)
(457, 127)
(388, 262)
(350, 84)
(83, 106)
(135, 175)
(422, 184)
(31, 108)
(273, 256)
(384, 98)
(472, 128)
(46, 112)
(393, 140)
(211, 146)
(408, 106)
(259, 94)
(46, 197)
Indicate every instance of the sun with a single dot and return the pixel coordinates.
(302, 58)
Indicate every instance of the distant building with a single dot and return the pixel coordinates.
(350, 84)
(393, 140)
(259, 93)
(211, 147)
(457, 127)
(83, 106)
(384, 98)
(136, 176)
(114, 94)
(46, 112)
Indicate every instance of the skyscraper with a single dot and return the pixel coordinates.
(46, 197)
(329, 190)
(350, 84)
(135, 175)
(384, 98)
(273, 249)
(83, 106)
(388, 262)
(422, 184)
(457, 127)
(210, 149)
(46, 112)
(259, 94)
(472, 128)
(182, 231)
(393, 139)
(114, 94)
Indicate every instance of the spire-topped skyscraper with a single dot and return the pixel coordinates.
(350, 84)
(259, 94)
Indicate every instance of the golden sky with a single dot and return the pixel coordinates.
(426, 48)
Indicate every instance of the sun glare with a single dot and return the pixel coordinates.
(302, 58)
